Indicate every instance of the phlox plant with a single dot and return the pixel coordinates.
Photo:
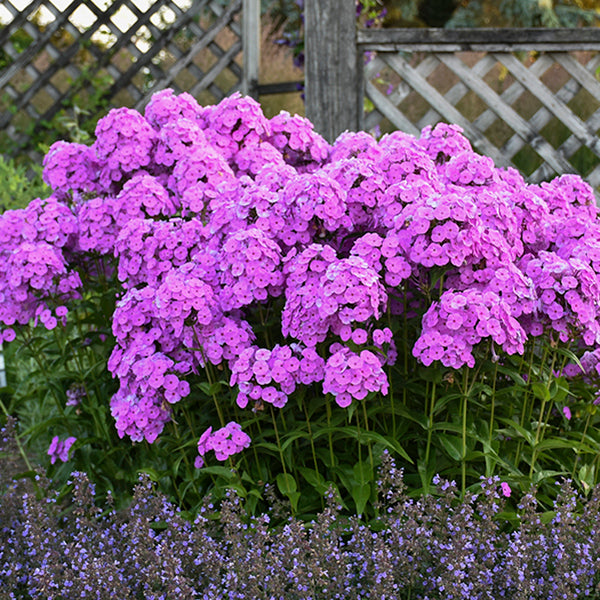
(218, 299)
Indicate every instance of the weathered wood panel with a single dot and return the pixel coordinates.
(331, 72)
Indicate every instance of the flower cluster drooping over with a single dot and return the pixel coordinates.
(216, 222)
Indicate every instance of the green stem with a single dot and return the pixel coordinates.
(429, 425)
(587, 422)
(310, 437)
(464, 434)
(331, 454)
(367, 429)
(17, 439)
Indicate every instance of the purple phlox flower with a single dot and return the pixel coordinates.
(505, 489)
(350, 375)
(59, 449)
(250, 269)
(225, 442)
(124, 143)
(567, 412)
(69, 166)
(297, 141)
(253, 158)
(454, 326)
(443, 141)
(364, 185)
(165, 107)
(235, 122)
(271, 375)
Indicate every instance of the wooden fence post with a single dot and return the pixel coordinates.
(331, 66)
(251, 47)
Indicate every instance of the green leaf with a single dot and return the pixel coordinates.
(314, 479)
(361, 494)
(286, 484)
(452, 445)
(363, 473)
(224, 472)
(587, 475)
(540, 391)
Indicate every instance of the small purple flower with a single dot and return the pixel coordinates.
(505, 489)
(59, 449)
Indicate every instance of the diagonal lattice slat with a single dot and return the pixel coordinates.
(539, 112)
(116, 54)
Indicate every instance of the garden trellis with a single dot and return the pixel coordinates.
(525, 97)
(50, 51)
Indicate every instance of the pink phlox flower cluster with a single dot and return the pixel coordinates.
(569, 196)
(568, 293)
(183, 298)
(149, 382)
(498, 224)
(98, 229)
(303, 271)
(397, 195)
(253, 158)
(59, 449)
(225, 442)
(316, 205)
(139, 417)
(250, 267)
(134, 327)
(469, 169)
(197, 178)
(350, 375)
(165, 107)
(504, 279)
(452, 327)
(176, 139)
(157, 373)
(365, 187)
(270, 376)
(443, 230)
(257, 205)
(443, 141)
(276, 177)
(354, 144)
(35, 278)
(44, 220)
(227, 339)
(143, 196)
(69, 166)
(124, 143)
(368, 247)
(301, 146)
(402, 159)
(350, 292)
(147, 250)
(235, 122)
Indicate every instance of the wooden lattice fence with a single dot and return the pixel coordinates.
(526, 98)
(113, 53)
